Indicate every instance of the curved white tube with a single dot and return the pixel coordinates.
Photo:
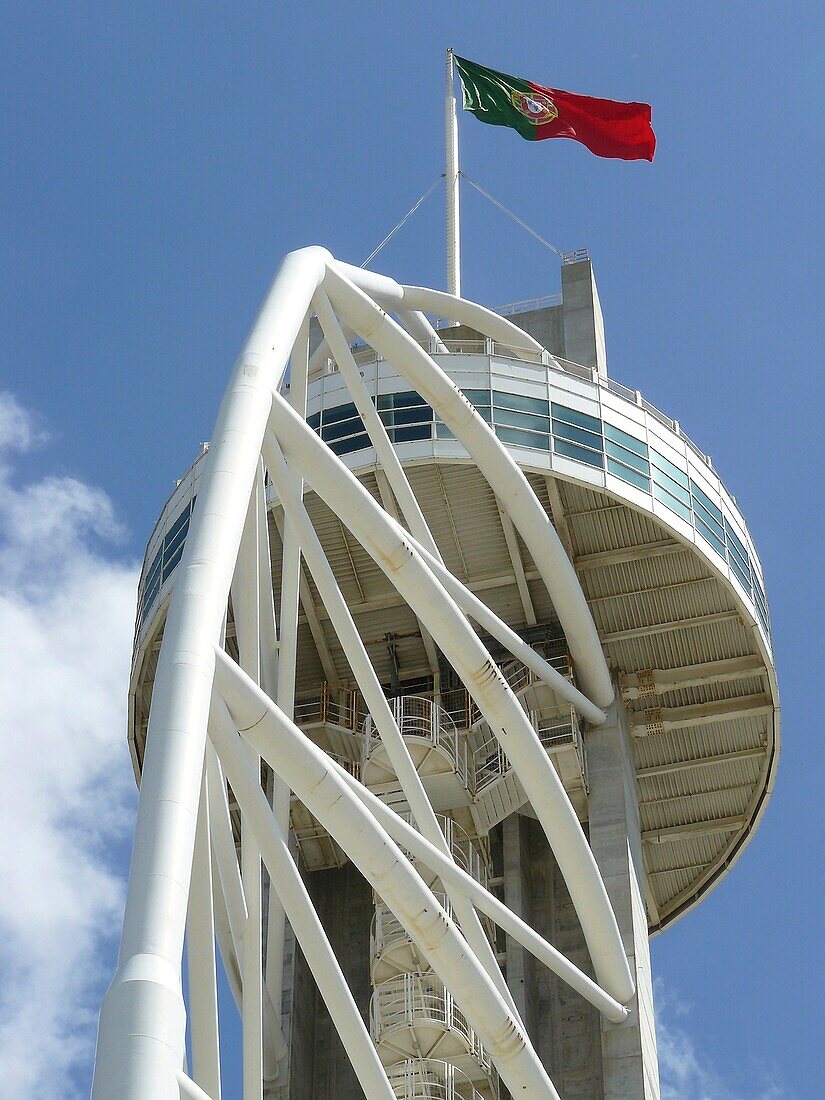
(307, 770)
(142, 1021)
(494, 461)
(412, 578)
(391, 295)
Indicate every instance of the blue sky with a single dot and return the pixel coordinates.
(159, 159)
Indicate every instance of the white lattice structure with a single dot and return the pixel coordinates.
(223, 703)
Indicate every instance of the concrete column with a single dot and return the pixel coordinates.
(629, 1060)
(582, 317)
(517, 891)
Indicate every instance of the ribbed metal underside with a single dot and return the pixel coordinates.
(657, 604)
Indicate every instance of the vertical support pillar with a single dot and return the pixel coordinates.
(630, 1064)
(517, 894)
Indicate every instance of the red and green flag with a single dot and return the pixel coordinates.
(606, 127)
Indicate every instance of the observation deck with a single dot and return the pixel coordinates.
(662, 552)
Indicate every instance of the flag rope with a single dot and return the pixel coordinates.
(403, 221)
(510, 214)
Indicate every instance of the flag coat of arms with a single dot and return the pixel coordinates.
(606, 127)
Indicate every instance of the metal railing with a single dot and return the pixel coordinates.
(387, 931)
(344, 711)
(557, 730)
(464, 852)
(418, 716)
(528, 305)
(411, 1000)
(430, 1079)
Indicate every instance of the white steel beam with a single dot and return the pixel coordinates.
(511, 542)
(145, 999)
(200, 957)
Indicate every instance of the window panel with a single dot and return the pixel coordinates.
(708, 533)
(341, 429)
(577, 435)
(740, 573)
(411, 431)
(168, 566)
(672, 502)
(713, 509)
(671, 487)
(521, 403)
(573, 450)
(708, 519)
(667, 467)
(536, 440)
(354, 443)
(573, 416)
(628, 457)
(629, 442)
(632, 477)
(340, 412)
(522, 420)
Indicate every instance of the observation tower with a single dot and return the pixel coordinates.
(452, 685)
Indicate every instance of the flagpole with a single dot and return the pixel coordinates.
(451, 180)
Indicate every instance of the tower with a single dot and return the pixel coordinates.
(452, 684)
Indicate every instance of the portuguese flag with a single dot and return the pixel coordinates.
(608, 128)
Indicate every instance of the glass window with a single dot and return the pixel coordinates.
(667, 467)
(409, 432)
(340, 412)
(168, 566)
(170, 545)
(536, 440)
(341, 429)
(712, 509)
(443, 432)
(744, 578)
(414, 415)
(630, 458)
(354, 443)
(709, 520)
(629, 442)
(522, 420)
(314, 421)
(179, 522)
(154, 568)
(710, 535)
(672, 487)
(632, 477)
(572, 450)
(577, 435)
(672, 502)
(519, 402)
(477, 397)
(573, 416)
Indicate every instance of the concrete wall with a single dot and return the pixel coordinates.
(318, 1067)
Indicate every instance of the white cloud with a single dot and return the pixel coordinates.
(66, 789)
(686, 1075)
